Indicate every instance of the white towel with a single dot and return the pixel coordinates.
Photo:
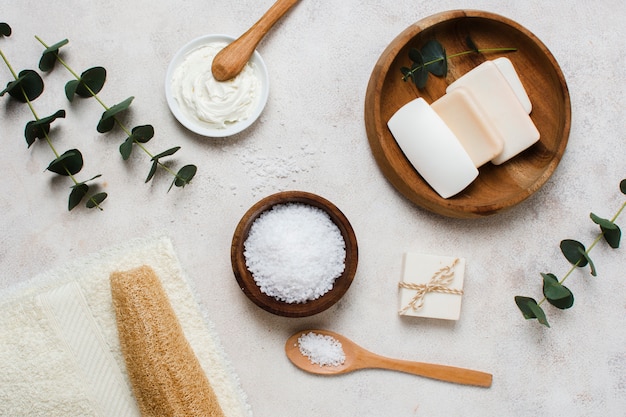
(59, 348)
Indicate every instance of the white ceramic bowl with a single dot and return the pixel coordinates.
(196, 125)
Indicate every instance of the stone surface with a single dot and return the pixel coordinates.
(311, 137)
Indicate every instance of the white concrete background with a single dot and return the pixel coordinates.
(311, 137)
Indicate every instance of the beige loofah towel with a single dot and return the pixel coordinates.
(165, 374)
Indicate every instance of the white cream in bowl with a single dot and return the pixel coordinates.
(210, 107)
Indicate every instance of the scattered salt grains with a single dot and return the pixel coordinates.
(322, 350)
(295, 252)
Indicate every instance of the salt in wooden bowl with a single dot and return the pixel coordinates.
(498, 187)
(245, 279)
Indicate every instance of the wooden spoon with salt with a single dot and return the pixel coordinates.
(230, 61)
(359, 358)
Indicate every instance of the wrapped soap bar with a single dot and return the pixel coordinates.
(432, 148)
(503, 107)
(431, 286)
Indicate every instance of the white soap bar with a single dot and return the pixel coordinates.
(505, 112)
(432, 148)
(469, 122)
(420, 269)
(508, 70)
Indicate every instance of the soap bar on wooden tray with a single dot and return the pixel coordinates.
(431, 286)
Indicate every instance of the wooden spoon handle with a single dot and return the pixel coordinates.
(230, 61)
(429, 370)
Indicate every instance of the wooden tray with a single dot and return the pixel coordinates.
(497, 187)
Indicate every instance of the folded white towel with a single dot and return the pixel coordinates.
(59, 347)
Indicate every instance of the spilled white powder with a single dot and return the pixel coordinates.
(322, 350)
(295, 252)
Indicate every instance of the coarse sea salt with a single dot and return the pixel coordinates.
(322, 350)
(295, 252)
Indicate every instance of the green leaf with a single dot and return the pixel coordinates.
(184, 176)
(612, 236)
(531, 310)
(107, 121)
(574, 252)
(622, 186)
(417, 73)
(143, 134)
(70, 89)
(607, 224)
(96, 199)
(153, 169)
(435, 59)
(557, 294)
(70, 163)
(5, 29)
(49, 56)
(471, 45)
(79, 191)
(38, 129)
(610, 231)
(169, 152)
(126, 148)
(27, 87)
(91, 82)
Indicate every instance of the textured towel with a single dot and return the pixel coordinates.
(59, 347)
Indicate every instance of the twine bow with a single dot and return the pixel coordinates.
(439, 282)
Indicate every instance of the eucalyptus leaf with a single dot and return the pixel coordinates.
(434, 58)
(168, 152)
(96, 199)
(38, 129)
(126, 148)
(574, 252)
(610, 231)
(69, 163)
(531, 310)
(185, 175)
(79, 191)
(612, 236)
(49, 57)
(27, 87)
(70, 89)
(557, 294)
(5, 29)
(153, 169)
(607, 224)
(471, 45)
(419, 75)
(107, 120)
(91, 82)
(143, 134)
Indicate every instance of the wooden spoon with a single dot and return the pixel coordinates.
(230, 61)
(359, 358)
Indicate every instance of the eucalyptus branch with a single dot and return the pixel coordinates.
(554, 292)
(26, 87)
(432, 59)
(89, 84)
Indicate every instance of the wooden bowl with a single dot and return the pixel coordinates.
(497, 187)
(246, 280)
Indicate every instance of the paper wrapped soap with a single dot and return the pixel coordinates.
(431, 286)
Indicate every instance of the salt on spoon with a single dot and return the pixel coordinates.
(355, 357)
(230, 61)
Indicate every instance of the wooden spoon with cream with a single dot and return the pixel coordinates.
(230, 61)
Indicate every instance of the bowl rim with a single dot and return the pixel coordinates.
(381, 151)
(245, 279)
(198, 127)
